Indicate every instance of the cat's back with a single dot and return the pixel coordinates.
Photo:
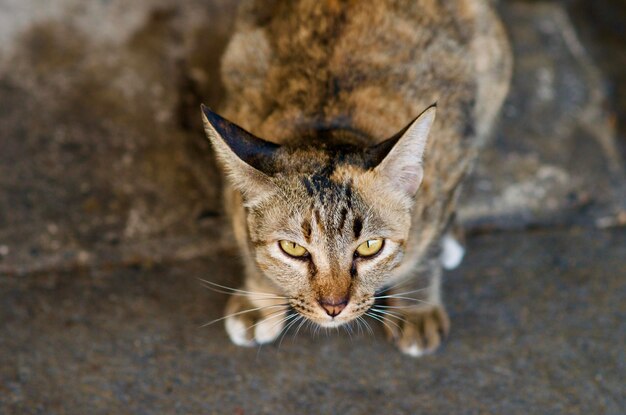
(373, 65)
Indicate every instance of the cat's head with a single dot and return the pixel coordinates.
(328, 225)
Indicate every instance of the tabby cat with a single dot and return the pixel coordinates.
(343, 210)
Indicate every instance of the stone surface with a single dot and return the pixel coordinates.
(539, 326)
(96, 150)
(110, 210)
(102, 151)
(554, 159)
(601, 28)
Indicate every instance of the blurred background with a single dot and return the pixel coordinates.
(110, 210)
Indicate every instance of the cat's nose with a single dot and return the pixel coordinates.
(333, 306)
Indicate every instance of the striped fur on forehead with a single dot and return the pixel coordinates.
(335, 218)
(331, 208)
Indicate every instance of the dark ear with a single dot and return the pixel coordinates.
(401, 156)
(247, 160)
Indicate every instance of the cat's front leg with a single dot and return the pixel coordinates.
(415, 318)
(420, 331)
(255, 317)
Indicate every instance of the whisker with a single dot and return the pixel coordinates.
(238, 290)
(348, 329)
(317, 330)
(287, 318)
(308, 325)
(298, 330)
(255, 296)
(409, 306)
(343, 326)
(242, 312)
(359, 326)
(272, 315)
(410, 292)
(375, 317)
(369, 328)
(396, 285)
(405, 298)
(384, 320)
(389, 313)
(286, 328)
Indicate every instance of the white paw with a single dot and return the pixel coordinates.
(267, 330)
(413, 350)
(238, 332)
(420, 333)
(249, 332)
(452, 252)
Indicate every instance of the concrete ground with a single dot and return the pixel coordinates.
(110, 211)
(538, 327)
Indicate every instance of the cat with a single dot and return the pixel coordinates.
(342, 182)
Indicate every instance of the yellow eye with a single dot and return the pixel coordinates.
(293, 249)
(369, 248)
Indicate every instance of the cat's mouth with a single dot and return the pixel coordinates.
(320, 316)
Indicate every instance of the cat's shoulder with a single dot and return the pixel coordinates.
(323, 56)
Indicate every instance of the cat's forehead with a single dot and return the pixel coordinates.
(331, 199)
(323, 178)
(335, 210)
(321, 185)
(326, 186)
(326, 203)
(319, 159)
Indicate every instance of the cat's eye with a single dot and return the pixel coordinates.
(293, 249)
(369, 248)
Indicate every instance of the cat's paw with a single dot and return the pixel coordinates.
(252, 328)
(420, 331)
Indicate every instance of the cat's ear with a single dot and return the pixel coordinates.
(247, 160)
(401, 166)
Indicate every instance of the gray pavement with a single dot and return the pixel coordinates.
(110, 210)
(539, 327)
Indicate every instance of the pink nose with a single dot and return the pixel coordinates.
(333, 306)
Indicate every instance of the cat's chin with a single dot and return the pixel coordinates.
(332, 323)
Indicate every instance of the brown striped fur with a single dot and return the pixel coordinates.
(325, 83)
